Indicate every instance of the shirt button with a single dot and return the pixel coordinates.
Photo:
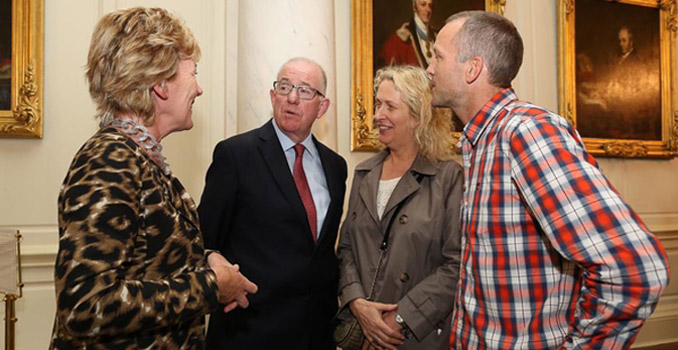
(404, 277)
(353, 216)
(403, 219)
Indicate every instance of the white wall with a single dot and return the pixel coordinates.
(235, 51)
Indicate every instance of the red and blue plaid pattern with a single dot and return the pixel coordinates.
(552, 257)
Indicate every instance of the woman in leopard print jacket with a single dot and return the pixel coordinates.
(131, 271)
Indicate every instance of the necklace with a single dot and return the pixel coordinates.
(143, 138)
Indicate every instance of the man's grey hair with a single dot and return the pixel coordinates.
(492, 37)
(307, 60)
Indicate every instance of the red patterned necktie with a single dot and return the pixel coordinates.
(304, 190)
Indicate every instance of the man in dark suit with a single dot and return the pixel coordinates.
(273, 208)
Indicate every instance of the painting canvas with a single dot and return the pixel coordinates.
(617, 71)
(394, 21)
(386, 32)
(21, 68)
(617, 75)
(5, 54)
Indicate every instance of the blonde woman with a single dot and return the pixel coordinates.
(131, 271)
(413, 297)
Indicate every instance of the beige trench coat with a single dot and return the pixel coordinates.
(421, 268)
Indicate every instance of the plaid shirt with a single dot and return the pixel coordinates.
(552, 257)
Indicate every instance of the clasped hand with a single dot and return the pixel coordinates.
(377, 321)
(233, 285)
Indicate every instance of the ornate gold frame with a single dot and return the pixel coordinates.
(24, 119)
(363, 136)
(665, 148)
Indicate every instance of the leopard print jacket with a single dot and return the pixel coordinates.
(130, 272)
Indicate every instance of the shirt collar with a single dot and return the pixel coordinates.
(477, 125)
(287, 143)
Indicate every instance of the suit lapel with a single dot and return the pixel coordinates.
(333, 185)
(273, 155)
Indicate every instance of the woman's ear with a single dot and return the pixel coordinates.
(160, 90)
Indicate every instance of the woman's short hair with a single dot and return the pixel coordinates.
(432, 130)
(131, 51)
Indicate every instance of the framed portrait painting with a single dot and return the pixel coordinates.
(617, 75)
(385, 32)
(21, 64)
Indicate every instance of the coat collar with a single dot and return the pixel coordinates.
(407, 185)
(419, 166)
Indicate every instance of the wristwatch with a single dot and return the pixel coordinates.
(406, 331)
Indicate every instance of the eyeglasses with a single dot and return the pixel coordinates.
(305, 92)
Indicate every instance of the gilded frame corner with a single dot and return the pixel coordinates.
(24, 119)
(363, 136)
(667, 146)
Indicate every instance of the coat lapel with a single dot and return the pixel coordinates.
(370, 183)
(406, 186)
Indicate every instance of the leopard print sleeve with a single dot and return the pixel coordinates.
(130, 258)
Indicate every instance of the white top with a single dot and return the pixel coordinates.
(384, 192)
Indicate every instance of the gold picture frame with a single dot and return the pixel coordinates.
(625, 105)
(24, 117)
(363, 134)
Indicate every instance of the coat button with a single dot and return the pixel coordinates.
(404, 277)
(403, 219)
(353, 215)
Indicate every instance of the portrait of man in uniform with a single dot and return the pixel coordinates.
(405, 30)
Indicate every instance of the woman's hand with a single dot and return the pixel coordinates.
(233, 286)
(377, 333)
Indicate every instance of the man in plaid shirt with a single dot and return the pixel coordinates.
(552, 257)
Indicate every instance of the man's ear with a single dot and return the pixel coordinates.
(161, 91)
(473, 70)
(324, 105)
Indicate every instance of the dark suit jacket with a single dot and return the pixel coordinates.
(251, 212)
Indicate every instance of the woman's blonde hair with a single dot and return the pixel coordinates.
(131, 51)
(432, 131)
